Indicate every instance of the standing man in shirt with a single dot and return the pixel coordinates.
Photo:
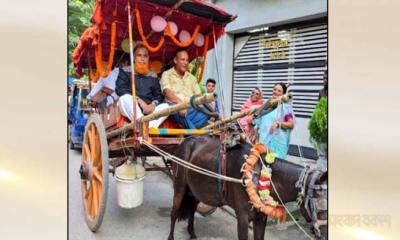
(178, 85)
(149, 97)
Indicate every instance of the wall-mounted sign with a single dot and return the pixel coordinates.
(277, 55)
(275, 43)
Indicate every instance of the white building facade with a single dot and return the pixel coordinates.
(272, 41)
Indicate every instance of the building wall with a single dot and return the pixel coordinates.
(257, 13)
(253, 14)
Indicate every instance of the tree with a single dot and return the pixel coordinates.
(79, 18)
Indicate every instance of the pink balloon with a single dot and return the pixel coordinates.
(158, 23)
(184, 36)
(199, 41)
(173, 27)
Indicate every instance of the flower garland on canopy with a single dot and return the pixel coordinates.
(144, 39)
(93, 77)
(101, 72)
(205, 50)
(268, 207)
(169, 33)
(99, 53)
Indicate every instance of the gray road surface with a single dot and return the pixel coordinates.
(151, 221)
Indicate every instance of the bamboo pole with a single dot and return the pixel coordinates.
(233, 117)
(132, 68)
(207, 98)
(270, 103)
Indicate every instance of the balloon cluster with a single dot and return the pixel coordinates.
(158, 24)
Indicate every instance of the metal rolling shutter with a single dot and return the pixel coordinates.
(302, 67)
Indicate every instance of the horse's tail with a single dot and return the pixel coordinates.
(188, 206)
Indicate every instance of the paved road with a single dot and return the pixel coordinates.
(151, 221)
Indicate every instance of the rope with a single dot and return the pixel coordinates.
(283, 204)
(190, 166)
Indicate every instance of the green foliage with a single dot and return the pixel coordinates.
(195, 66)
(318, 125)
(79, 16)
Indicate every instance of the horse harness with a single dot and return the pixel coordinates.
(220, 162)
(315, 198)
(229, 137)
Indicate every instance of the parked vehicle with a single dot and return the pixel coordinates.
(78, 113)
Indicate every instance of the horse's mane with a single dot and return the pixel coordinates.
(285, 162)
(241, 150)
(244, 149)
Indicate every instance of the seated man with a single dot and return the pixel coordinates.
(148, 92)
(179, 85)
(108, 82)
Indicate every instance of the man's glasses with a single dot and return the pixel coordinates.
(255, 93)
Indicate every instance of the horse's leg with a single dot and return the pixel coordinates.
(178, 196)
(243, 224)
(191, 222)
(260, 220)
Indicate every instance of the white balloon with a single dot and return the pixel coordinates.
(173, 27)
(158, 23)
(184, 36)
(199, 41)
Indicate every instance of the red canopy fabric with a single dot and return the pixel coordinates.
(186, 14)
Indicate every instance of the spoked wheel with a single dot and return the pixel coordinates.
(94, 172)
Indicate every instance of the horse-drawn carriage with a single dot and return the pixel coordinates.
(108, 140)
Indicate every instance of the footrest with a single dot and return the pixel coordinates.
(174, 131)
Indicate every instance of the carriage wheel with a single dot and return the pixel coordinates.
(94, 172)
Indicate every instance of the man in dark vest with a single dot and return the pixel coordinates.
(148, 91)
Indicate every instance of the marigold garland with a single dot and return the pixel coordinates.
(169, 33)
(272, 211)
(205, 50)
(93, 77)
(98, 57)
(112, 46)
(99, 52)
(141, 33)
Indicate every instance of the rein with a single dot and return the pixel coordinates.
(206, 110)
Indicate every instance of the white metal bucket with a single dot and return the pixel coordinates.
(130, 179)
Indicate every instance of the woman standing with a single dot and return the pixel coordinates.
(275, 126)
(255, 100)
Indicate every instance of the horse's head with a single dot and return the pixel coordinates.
(234, 135)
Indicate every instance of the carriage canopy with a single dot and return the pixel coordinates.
(163, 26)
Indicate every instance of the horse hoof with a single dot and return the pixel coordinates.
(170, 238)
(193, 236)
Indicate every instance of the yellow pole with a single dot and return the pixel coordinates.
(132, 70)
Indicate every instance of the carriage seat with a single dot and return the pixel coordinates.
(111, 116)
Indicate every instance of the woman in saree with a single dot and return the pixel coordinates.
(275, 126)
(255, 100)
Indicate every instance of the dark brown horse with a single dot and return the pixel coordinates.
(191, 187)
